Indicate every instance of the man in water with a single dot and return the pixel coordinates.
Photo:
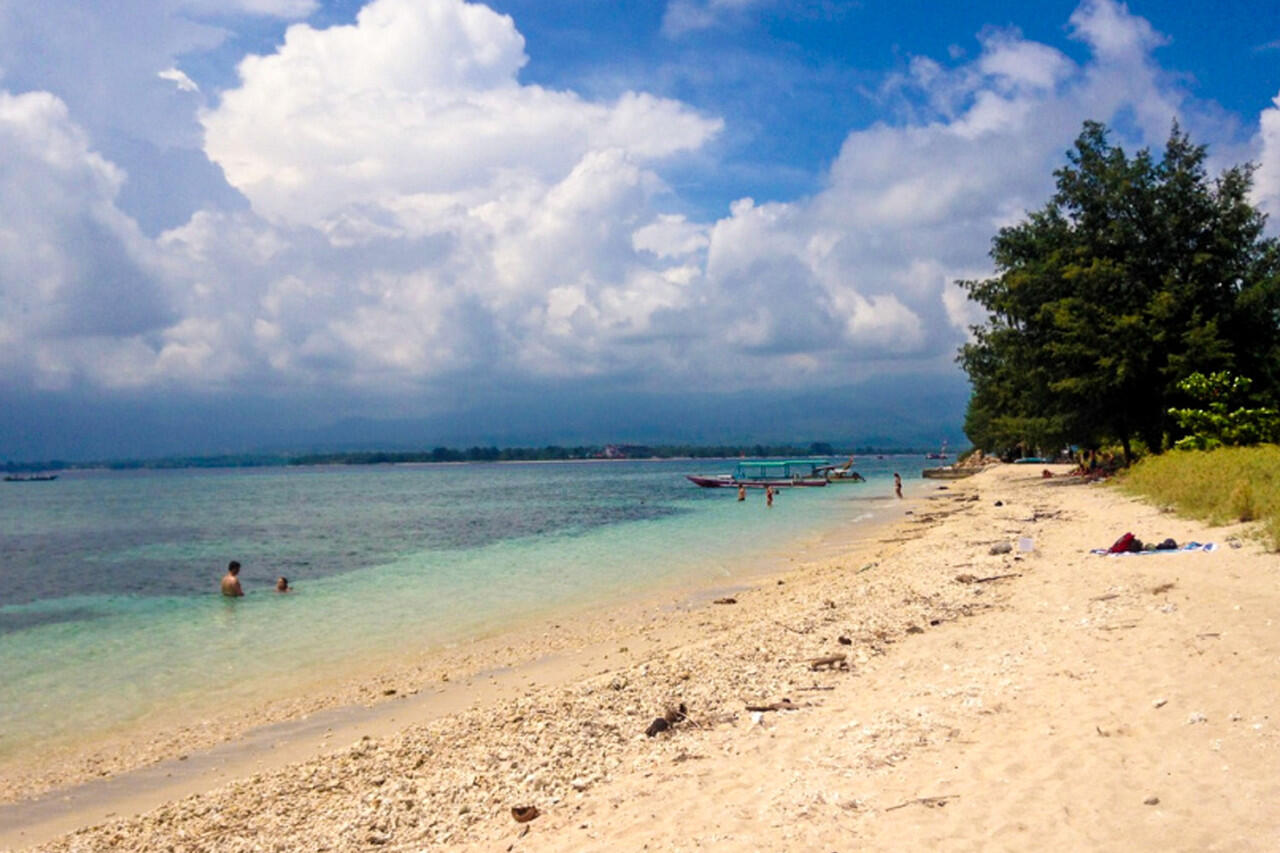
(282, 584)
(768, 496)
(742, 493)
(231, 581)
(897, 484)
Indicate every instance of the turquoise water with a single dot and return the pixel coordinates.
(110, 607)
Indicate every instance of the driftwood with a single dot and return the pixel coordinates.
(931, 802)
(792, 630)
(967, 578)
(784, 705)
(828, 662)
(728, 599)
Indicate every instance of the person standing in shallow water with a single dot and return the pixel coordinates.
(897, 484)
(768, 496)
(742, 493)
(231, 581)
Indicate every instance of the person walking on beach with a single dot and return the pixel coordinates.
(897, 484)
(231, 581)
(768, 496)
(742, 493)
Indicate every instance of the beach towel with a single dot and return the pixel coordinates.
(1185, 549)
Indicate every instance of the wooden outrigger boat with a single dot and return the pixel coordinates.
(948, 473)
(756, 475)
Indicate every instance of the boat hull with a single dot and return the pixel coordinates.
(947, 473)
(724, 481)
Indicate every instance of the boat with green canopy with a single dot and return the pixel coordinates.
(756, 474)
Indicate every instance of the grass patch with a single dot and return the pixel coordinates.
(1220, 486)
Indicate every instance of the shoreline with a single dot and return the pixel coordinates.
(1050, 698)
(163, 735)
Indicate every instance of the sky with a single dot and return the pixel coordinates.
(229, 225)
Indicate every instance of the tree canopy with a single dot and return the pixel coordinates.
(1137, 273)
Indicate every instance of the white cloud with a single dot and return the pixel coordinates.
(179, 79)
(1266, 193)
(417, 104)
(419, 214)
(77, 276)
(670, 236)
(286, 9)
(684, 16)
(1114, 33)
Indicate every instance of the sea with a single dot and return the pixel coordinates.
(110, 611)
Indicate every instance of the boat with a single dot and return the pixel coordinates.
(940, 454)
(712, 481)
(948, 472)
(843, 473)
(757, 475)
(32, 478)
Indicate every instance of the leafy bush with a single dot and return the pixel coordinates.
(1217, 424)
(1219, 486)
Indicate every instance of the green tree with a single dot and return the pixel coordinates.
(1135, 275)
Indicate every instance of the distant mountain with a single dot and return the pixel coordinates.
(916, 411)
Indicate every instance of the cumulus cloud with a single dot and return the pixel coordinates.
(417, 106)
(1267, 178)
(422, 218)
(77, 279)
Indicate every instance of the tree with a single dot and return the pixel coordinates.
(1135, 275)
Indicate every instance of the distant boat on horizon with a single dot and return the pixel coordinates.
(940, 454)
(33, 478)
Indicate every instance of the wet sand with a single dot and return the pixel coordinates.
(1050, 698)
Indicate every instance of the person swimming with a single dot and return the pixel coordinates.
(231, 580)
(282, 584)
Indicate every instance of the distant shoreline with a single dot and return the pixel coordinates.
(439, 456)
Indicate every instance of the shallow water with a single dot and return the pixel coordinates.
(110, 607)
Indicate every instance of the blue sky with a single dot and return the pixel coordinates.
(425, 212)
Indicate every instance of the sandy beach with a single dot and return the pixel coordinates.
(928, 688)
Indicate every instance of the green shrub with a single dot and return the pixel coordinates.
(1220, 486)
(1217, 423)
